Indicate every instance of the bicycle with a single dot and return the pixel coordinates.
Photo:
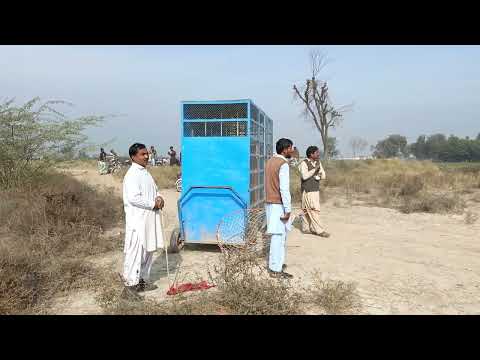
(113, 164)
(178, 183)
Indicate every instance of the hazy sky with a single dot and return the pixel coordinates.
(409, 90)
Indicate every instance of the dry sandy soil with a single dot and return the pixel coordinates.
(402, 264)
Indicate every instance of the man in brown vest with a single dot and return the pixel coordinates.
(312, 172)
(278, 205)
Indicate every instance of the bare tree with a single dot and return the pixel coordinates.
(315, 97)
(358, 145)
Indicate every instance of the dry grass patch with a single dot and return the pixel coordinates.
(165, 176)
(242, 288)
(52, 227)
(410, 186)
(77, 164)
(245, 288)
(334, 297)
(432, 203)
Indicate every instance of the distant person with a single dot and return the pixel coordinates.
(152, 156)
(278, 206)
(143, 234)
(296, 154)
(102, 162)
(173, 156)
(311, 172)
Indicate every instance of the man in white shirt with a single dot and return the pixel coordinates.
(143, 235)
(278, 206)
(311, 172)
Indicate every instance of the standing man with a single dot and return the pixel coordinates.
(173, 156)
(278, 206)
(102, 162)
(296, 154)
(143, 235)
(312, 172)
(153, 156)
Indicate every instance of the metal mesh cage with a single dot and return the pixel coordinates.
(253, 163)
(254, 129)
(254, 147)
(214, 128)
(254, 112)
(261, 138)
(268, 137)
(231, 128)
(194, 129)
(253, 180)
(215, 111)
(242, 128)
(253, 197)
(261, 196)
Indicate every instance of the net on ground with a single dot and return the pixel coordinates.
(242, 228)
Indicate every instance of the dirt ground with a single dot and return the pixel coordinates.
(402, 263)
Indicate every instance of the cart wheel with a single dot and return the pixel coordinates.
(176, 244)
(178, 185)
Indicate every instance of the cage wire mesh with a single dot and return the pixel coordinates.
(215, 111)
(242, 230)
(214, 128)
(254, 112)
(192, 129)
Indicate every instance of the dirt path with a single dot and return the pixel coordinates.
(403, 264)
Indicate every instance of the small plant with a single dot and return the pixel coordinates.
(334, 296)
(244, 287)
(470, 218)
(411, 185)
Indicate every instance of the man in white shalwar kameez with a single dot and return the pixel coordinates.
(278, 206)
(143, 233)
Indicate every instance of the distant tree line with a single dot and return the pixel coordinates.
(436, 147)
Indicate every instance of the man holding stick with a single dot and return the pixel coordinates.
(143, 235)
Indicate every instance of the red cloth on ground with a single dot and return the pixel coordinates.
(202, 285)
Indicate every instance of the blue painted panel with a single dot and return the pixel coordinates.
(203, 210)
(212, 161)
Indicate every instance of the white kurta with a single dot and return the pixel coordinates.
(305, 174)
(276, 227)
(139, 193)
(275, 211)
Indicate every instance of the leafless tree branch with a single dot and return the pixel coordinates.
(316, 100)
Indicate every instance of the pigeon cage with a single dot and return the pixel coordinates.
(224, 148)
